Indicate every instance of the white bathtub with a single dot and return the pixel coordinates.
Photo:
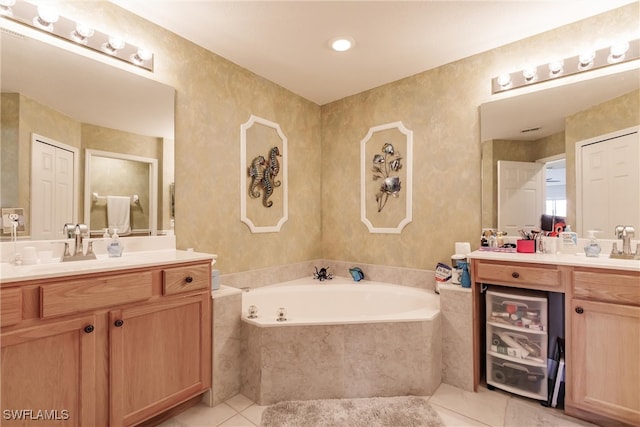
(342, 339)
(339, 301)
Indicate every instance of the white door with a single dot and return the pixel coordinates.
(609, 183)
(53, 183)
(520, 196)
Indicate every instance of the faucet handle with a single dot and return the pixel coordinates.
(629, 231)
(69, 230)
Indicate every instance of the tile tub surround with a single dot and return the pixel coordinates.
(341, 361)
(227, 345)
(457, 336)
(424, 279)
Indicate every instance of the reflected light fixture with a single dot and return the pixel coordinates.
(587, 60)
(341, 44)
(43, 17)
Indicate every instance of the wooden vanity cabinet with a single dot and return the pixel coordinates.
(50, 367)
(602, 332)
(604, 347)
(111, 349)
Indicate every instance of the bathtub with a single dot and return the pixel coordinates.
(341, 339)
(338, 301)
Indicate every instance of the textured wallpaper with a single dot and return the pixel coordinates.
(214, 97)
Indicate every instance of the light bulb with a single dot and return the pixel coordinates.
(341, 44)
(47, 15)
(555, 68)
(586, 59)
(112, 46)
(504, 80)
(81, 33)
(618, 51)
(529, 73)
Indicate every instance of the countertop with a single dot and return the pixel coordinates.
(13, 273)
(575, 260)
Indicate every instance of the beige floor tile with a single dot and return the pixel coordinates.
(237, 421)
(485, 406)
(203, 416)
(254, 413)
(239, 402)
(454, 419)
(525, 412)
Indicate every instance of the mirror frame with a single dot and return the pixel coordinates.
(153, 184)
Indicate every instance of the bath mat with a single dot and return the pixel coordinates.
(402, 411)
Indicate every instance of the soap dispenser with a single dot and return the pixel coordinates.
(592, 248)
(115, 246)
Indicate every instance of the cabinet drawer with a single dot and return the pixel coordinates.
(519, 275)
(185, 279)
(93, 292)
(621, 288)
(10, 306)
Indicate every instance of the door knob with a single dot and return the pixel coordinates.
(88, 329)
(515, 274)
(189, 279)
(118, 323)
(579, 310)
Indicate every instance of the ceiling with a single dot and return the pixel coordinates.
(287, 41)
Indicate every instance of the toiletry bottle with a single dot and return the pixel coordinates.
(592, 248)
(115, 246)
(105, 235)
(568, 241)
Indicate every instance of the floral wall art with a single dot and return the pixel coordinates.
(263, 180)
(386, 178)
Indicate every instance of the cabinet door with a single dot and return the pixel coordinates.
(605, 373)
(48, 374)
(160, 356)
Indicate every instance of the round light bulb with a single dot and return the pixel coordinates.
(341, 44)
(555, 67)
(618, 51)
(116, 42)
(47, 13)
(586, 58)
(504, 80)
(144, 54)
(529, 73)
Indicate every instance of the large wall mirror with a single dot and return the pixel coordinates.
(88, 104)
(528, 144)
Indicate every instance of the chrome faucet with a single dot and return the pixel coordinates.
(77, 232)
(625, 232)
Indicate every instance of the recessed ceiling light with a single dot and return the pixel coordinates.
(341, 44)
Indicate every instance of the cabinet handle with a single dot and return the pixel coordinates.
(579, 310)
(88, 329)
(189, 279)
(515, 274)
(118, 323)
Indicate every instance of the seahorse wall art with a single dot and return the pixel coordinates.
(263, 173)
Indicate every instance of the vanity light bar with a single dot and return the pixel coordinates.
(78, 33)
(558, 68)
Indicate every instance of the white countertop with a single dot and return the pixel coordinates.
(13, 273)
(576, 260)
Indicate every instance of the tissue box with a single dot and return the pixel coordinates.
(526, 246)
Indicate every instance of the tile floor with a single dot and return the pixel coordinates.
(456, 407)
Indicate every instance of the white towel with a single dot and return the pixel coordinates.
(118, 208)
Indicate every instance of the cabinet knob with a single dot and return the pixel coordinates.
(118, 323)
(515, 274)
(189, 279)
(579, 310)
(88, 329)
